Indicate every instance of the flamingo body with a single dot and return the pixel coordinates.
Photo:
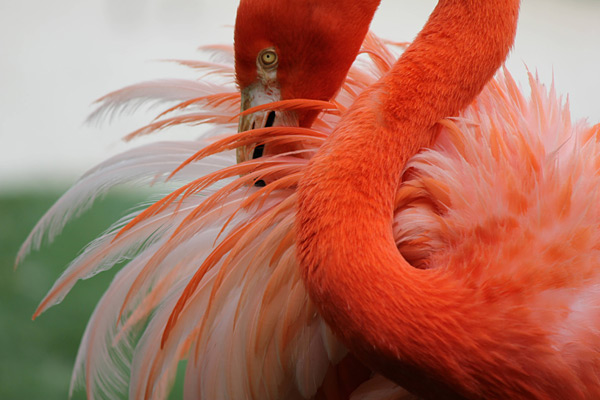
(249, 330)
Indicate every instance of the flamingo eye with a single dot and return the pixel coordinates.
(267, 58)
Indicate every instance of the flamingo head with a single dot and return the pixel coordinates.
(294, 49)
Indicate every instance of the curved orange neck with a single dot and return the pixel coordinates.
(421, 328)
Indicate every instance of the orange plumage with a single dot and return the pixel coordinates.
(496, 215)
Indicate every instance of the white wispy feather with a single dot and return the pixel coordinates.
(148, 163)
(151, 94)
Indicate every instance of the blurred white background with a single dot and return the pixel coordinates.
(57, 57)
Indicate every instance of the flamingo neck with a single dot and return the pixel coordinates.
(421, 328)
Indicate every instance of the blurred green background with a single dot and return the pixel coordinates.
(38, 356)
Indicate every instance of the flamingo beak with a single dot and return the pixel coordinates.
(255, 95)
(252, 96)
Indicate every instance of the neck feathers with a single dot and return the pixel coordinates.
(421, 328)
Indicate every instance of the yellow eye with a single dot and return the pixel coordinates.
(268, 58)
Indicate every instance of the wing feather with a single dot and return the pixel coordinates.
(212, 276)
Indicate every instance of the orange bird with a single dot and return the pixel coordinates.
(464, 271)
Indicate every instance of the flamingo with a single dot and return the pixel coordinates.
(214, 276)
